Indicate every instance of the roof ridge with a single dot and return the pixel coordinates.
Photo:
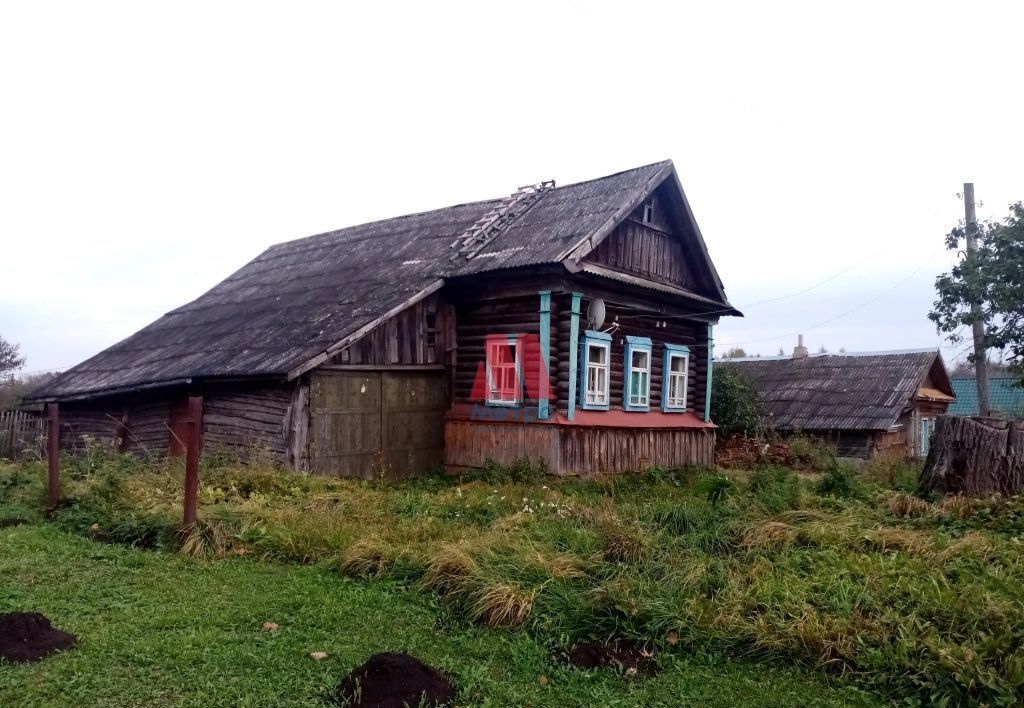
(819, 355)
(494, 200)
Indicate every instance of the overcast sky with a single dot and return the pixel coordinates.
(147, 151)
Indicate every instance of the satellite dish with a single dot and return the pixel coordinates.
(595, 313)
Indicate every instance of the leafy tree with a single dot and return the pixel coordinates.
(735, 353)
(993, 276)
(735, 406)
(15, 388)
(10, 358)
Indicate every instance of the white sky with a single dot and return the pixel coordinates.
(147, 151)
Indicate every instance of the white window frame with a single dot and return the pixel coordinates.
(496, 394)
(647, 215)
(637, 345)
(597, 398)
(670, 403)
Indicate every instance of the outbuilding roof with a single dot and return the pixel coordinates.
(288, 308)
(1004, 394)
(858, 391)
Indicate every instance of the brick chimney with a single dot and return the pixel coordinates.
(800, 351)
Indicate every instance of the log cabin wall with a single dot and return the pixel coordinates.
(638, 323)
(139, 425)
(476, 320)
(238, 419)
(247, 420)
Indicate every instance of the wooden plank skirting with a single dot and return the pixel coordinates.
(568, 450)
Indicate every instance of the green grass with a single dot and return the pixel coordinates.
(157, 629)
(841, 574)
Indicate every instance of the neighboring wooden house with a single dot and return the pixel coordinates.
(864, 404)
(1005, 395)
(452, 336)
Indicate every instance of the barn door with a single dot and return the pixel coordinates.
(345, 436)
(376, 424)
(414, 407)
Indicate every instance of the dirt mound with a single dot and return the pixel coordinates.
(393, 680)
(29, 636)
(626, 656)
(11, 521)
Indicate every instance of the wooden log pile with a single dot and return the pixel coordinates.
(974, 457)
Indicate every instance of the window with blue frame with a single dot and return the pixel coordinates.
(504, 380)
(675, 378)
(637, 374)
(594, 373)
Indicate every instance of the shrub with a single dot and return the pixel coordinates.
(811, 452)
(840, 480)
(716, 487)
(735, 406)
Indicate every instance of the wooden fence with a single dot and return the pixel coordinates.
(21, 433)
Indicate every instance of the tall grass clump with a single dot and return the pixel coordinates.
(776, 489)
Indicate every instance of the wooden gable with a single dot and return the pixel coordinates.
(656, 242)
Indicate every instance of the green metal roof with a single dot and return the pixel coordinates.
(1004, 396)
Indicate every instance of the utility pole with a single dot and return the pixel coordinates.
(980, 355)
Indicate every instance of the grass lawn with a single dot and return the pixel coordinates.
(159, 629)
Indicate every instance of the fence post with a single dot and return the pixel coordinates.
(192, 444)
(53, 454)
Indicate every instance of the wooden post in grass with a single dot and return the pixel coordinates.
(192, 444)
(53, 455)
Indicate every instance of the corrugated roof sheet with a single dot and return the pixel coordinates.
(838, 392)
(298, 298)
(1003, 393)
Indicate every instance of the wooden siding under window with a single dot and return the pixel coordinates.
(576, 450)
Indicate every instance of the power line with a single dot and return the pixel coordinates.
(759, 302)
(847, 312)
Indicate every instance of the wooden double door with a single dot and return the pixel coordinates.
(377, 424)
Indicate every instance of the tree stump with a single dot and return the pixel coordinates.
(974, 457)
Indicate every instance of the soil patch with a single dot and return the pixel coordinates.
(11, 521)
(29, 636)
(623, 655)
(394, 680)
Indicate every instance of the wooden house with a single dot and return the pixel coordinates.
(864, 404)
(570, 325)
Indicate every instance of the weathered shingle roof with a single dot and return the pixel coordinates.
(840, 391)
(1004, 395)
(298, 298)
